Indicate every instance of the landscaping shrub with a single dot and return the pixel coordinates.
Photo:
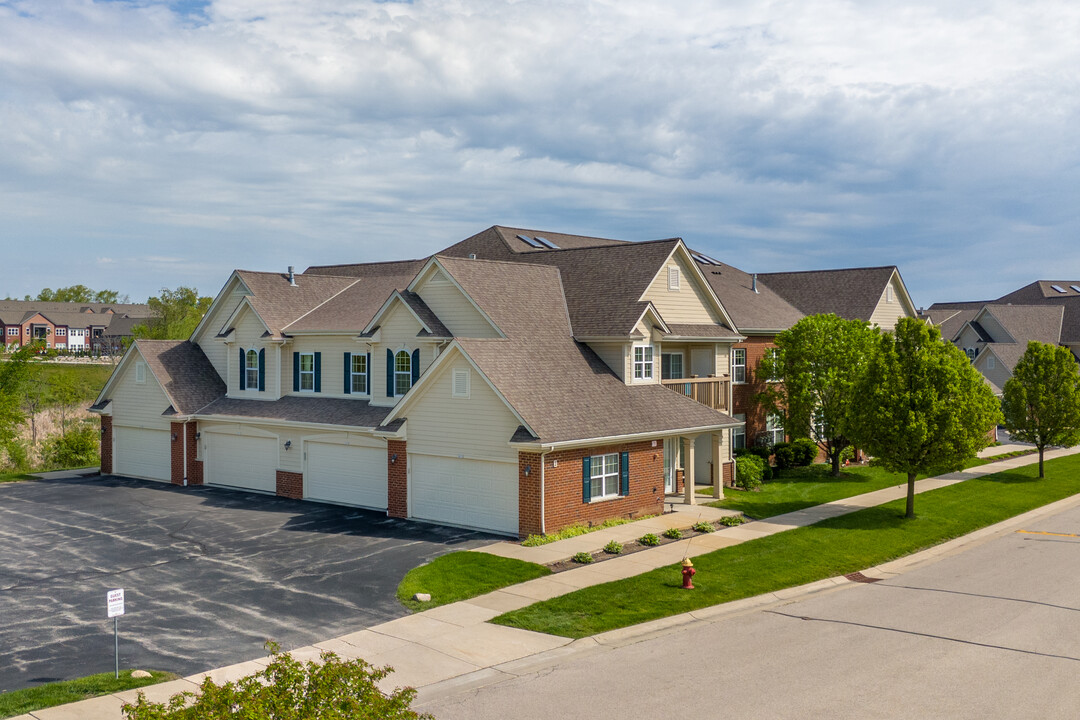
(732, 520)
(748, 472)
(847, 454)
(703, 527)
(582, 557)
(784, 455)
(78, 447)
(613, 548)
(673, 533)
(649, 539)
(805, 451)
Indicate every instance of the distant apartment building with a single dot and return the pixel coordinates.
(75, 327)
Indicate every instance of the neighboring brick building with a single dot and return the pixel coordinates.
(77, 327)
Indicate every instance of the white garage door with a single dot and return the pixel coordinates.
(346, 474)
(472, 493)
(241, 461)
(143, 453)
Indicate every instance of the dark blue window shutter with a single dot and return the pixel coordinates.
(318, 372)
(586, 479)
(389, 373)
(415, 365)
(296, 372)
(348, 374)
(624, 473)
(368, 383)
(262, 369)
(243, 370)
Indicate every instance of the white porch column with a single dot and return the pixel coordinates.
(718, 464)
(688, 470)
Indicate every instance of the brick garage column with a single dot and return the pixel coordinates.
(397, 479)
(290, 484)
(194, 467)
(176, 448)
(106, 445)
(529, 493)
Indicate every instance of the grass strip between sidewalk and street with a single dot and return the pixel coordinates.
(19, 702)
(830, 548)
(463, 575)
(15, 477)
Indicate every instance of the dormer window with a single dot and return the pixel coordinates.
(402, 372)
(251, 369)
(673, 278)
(643, 362)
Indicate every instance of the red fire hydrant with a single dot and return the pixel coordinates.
(688, 573)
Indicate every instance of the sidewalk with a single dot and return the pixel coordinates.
(453, 646)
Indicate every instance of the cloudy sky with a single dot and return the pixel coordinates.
(148, 143)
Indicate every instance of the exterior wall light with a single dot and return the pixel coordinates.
(528, 469)
(393, 458)
(288, 444)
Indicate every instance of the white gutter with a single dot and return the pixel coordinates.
(543, 447)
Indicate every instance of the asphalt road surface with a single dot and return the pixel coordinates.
(209, 574)
(992, 632)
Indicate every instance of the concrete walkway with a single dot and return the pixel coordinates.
(453, 646)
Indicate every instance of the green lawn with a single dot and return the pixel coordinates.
(18, 702)
(828, 549)
(463, 575)
(14, 477)
(87, 379)
(805, 487)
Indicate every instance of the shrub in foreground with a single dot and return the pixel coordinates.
(287, 689)
(748, 472)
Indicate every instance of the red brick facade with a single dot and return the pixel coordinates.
(397, 479)
(194, 467)
(563, 502)
(729, 474)
(176, 448)
(743, 393)
(290, 484)
(106, 445)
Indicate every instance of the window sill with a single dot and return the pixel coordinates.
(604, 498)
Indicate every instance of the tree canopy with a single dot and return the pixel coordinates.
(1041, 400)
(921, 405)
(78, 293)
(14, 375)
(175, 314)
(818, 362)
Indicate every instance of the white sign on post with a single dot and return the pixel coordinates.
(115, 603)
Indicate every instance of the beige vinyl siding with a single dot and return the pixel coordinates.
(690, 304)
(968, 338)
(138, 404)
(333, 349)
(886, 314)
(455, 310)
(993, 328)
(616, 356)
(998, 375)
(397, 332)
(215, 350)
(722, 361)
(248, 335)
(478, 428)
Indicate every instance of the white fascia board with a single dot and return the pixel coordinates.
(221, 294)
(695, 338)
(435, 261)
(246, 303)
(118, 370)
(656, 435)
(650, 308)
(396, 295)
(244, 420)
(432, 370)
(681, 248)
(907, 296)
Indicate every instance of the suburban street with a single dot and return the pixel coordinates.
(210, 574)
(989, 632)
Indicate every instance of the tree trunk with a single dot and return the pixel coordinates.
(910, 495)
(1041, 449)
(836, 462)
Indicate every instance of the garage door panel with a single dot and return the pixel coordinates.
(472, 493)
(241, 461)
(143, 453)
(346, 474)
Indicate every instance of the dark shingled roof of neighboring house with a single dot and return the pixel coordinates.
(1028, 322)
(184, 373)
(851, 293)
(951, 317)
(749, 310)
(353, 308)
(504, 243)
(1042, 293)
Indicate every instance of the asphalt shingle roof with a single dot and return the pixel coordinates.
(327, 411)
(356, 305)
(749, 310)
(851, 293)
(279, 304)
(184, 373)
(504, 243)
(1041, 293)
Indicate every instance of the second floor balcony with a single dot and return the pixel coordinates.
(711, 391)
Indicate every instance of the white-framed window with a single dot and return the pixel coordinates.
(603, 476)
(462, 379)
(307, 372)
(774, 355)
(671, 366)
(970, 352)
(738, 435)
(643, 362)
(989, 362)
(61, 332)
(359, 374)
(738, 365)
(774, 428)
(402, 372)
(13, 331)
(251, 370)
(673, 278)
(140, 372)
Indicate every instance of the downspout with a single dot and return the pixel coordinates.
(543, 524)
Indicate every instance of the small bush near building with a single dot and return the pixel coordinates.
(732, 520)
(78, 447)
(649, 539)
(673, 534)
(582, 557)
(287, 689)
(703, 527)
(748, 472)
(805, 451)
(784, 455)
(613, 548)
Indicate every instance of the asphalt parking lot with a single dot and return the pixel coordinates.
(209, 574)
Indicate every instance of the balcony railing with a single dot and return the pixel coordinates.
(711, 392)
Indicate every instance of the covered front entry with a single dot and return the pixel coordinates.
(480, 494)
(241, 461)
(142, 453)
(346, 474)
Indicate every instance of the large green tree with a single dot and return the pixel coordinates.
(77, 293)
(921, 406)
(175, 314)
(818, 362)
(1042, 398)
(14, 377)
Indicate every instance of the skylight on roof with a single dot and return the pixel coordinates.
(530, 242)
(1058, 288)
(546, 242)
(1075, 287)
(703, 259)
